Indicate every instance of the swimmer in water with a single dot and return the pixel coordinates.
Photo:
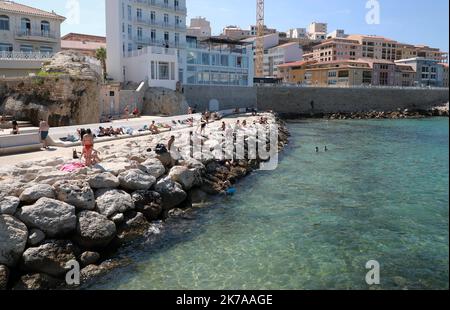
(317, 149)
(326, 148)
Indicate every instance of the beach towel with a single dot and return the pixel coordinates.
(71, 167)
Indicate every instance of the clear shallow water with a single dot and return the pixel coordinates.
(381, 192)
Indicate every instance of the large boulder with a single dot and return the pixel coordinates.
(37, 282)
(9, 204)
(51, 178)
(134, 226)
(153, 167)
(77, 193)
(104, 180)
(89, 258)
(50, 258)
(35, 237)
(116, 167)
(94, 230)
(4, 277)
(13, 239)
(172, 193)
(55, 218)
(186, 177)
(113, 201)
(34, 193)
(135, 179)
(148, 203)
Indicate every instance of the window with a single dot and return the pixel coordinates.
(25, 26)
(177, 39)
(26, 48)
(152, 70)
(130, 31)
(129, 12)
(163, 70)
(139, 33)
(224, 60)
(111, 93)
(166, 37)
(45, 28)
(6, 47)
(343, 74)
(166, 19)
(4, 22)
(139, 14)
(46, 50)
(153, 35)
(153, 17)
(205, 59)
(332, 74)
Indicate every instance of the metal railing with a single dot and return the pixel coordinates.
(153, 50)
(40, 33)
(159, 24)
(347, 86)
(162, 5)
(25, 55)
(159, 43)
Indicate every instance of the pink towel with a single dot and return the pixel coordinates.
(72, 167)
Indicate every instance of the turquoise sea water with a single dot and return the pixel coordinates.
(379, 193)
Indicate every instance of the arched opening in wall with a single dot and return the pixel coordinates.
(25, 26)
(214, 105)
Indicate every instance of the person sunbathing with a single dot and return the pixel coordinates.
(154, 129)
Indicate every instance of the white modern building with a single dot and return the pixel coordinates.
(297, 33)
(200, 27)
(338, 33)
(278, 55)
(235, 33)
(28, 37)
(317, 31)
(219, 61)
(134, 25)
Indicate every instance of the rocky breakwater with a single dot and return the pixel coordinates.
(49, 218)
(65, 92)
(399, 114)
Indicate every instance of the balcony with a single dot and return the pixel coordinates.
(158, 24)
(42, 36)
(162, 5)
(25, 55)
(158, 43)
(153, 50)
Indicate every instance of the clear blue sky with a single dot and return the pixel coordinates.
(408, 21)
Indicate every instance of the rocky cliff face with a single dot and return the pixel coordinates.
(162, 101)
(66, 92)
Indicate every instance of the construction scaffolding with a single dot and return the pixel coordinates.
(259, 63)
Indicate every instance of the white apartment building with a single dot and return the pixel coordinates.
(317, 31)
(200, 27)
(338, 33)
(254, 30)
(297, 33)
(133, 25)
(28, 37)
(278, 55)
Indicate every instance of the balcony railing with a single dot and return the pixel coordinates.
(159, 24)
(23, 33)
(162, 5)
(25, 55)
(153, 50)
(158, 43)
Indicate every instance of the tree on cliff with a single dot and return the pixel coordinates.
(100, 54)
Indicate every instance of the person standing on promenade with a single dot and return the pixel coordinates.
(43, 132)
(15, 127)
(127, 112)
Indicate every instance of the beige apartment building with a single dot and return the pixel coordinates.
(28, 37)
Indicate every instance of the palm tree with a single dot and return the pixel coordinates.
(100, 54)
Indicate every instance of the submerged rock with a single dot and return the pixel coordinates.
(55, 218)
(134, 226)
(4, 277)
(13, 239)
(37, 282)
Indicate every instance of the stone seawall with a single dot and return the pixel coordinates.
(292, 100)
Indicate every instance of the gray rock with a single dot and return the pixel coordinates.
(118, 218)
(104, 180)
(193, 163)
(76, 193)
(35, 237)
(197, 196)
(9, 204)
(94, 230)
(51, 178)
(113, 201)
(37, 282)
(36, 192)
(135, 179)
(11, 188)
(89, 258)
(13, 239)
(4, 277)
(186, 177)
(55, 218)
(172, 193)
(117, 166)
(148, 203)
(50, 258)
(134, 226)
(153, 167)
(92, 271)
